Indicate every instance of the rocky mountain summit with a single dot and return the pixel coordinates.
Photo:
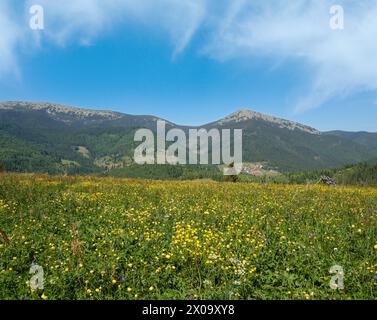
(246, 114)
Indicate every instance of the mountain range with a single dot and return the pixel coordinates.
(52, 138)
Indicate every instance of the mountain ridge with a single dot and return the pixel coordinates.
(54, 138)
(81, 113)
(242, 114)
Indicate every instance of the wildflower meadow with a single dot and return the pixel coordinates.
(107, 238)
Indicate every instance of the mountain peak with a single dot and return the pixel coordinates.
(247, 114)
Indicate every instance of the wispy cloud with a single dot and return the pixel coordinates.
(82, 21)
(337, 63)
(10, 37)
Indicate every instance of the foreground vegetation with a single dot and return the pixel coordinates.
(107, 238)
(361, 174)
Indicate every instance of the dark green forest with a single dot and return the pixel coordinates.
(60, 140)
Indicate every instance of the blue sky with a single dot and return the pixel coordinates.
(194, 61)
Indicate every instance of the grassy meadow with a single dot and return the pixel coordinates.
(107, 238)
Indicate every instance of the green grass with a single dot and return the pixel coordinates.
(106, 238)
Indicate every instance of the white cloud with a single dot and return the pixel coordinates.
(338, 63)
(10, 36)
(84, 20)
(81, 22)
